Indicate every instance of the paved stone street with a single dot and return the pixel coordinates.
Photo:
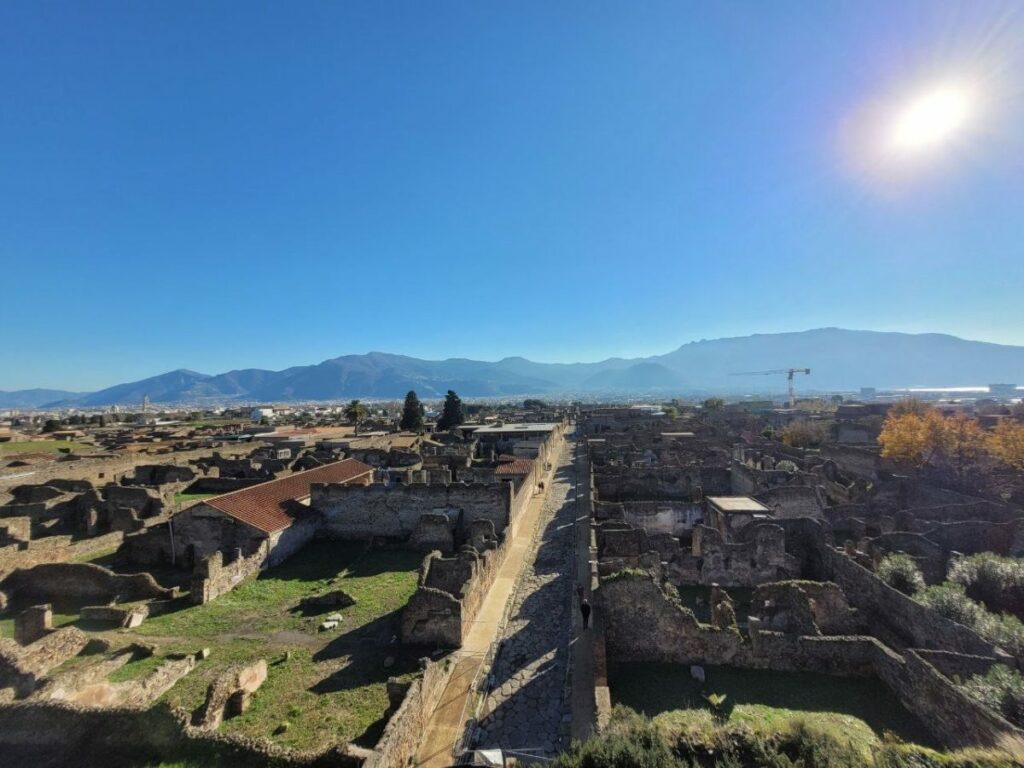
(527, 708)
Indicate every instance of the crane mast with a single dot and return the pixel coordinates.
(789, 378)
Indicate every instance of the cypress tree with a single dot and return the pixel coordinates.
(451, 415)
(412, 413)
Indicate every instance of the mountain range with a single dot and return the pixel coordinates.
(839, 360)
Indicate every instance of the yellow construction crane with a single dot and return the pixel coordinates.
(789, 376)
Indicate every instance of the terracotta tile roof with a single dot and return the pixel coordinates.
(517, 467)
(268, 506)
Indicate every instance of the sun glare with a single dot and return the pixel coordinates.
(932, 119)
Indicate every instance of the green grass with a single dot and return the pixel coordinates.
(59, 620)
(183, 498)
(136, 669)
(767, 699)
(93, 557)
(333, 688)
(47, 446)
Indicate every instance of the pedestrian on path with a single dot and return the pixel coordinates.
(579, 591)
(585, 610)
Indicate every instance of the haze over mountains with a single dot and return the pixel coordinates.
(838, 359)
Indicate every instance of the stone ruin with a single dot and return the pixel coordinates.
(231, 693)
(450, 590)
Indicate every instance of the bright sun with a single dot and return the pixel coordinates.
(932, 119)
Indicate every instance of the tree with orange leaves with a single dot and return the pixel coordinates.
(917, 437)
(1006, 443)
(904, 438)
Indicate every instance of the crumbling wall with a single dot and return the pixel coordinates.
(432, 617)
(759, 557)
(449, 596)
(642, 623)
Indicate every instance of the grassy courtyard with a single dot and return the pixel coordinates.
(861, 708)
(322, 687)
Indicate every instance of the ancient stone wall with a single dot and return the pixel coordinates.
(213, 577)
(859, 462)
(759, 556)
(55, 549)
(642, 623)
(285, 543)
(973, 536)
(793, 501)
(61, 733)
(645, 484)
(404, 731)
(78, 584)
(393, 511)
(671, 517)
(21, 668)
(919, 626)
(449, 596)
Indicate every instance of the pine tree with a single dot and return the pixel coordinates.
(412, 413)
(451, 415)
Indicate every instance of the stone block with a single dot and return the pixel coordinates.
(33, 623)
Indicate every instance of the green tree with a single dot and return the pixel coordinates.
(714, 404)
(355, 412)
(51, 425)
(670, 410)
(451, 414)
(412, 413)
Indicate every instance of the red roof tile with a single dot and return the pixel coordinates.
(517, 467)
(266, 506)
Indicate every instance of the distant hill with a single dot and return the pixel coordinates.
(838, 359)
(33, 398)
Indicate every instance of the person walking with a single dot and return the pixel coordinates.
(585, 610)
(579, 591)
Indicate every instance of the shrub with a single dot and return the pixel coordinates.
(1000, 689)
(1000, 629)
(996, 581)
(697, 740)
(631, 741)
(951, 601)
(803, 434)
(901, 572)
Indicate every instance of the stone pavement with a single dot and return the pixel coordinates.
(448, 722)
(528, 708)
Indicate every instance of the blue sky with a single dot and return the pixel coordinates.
(225, 185)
